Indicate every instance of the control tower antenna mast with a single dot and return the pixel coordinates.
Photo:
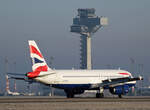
(86, 23)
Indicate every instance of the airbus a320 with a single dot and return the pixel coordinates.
(73, 82)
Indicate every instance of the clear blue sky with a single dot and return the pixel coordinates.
(48, 22)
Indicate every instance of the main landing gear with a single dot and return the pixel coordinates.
(100, 93)
(120, 96)
(70, 95)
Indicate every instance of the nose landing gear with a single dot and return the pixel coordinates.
(100, 93)
(120, 96)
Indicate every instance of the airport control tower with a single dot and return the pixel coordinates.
(87, 23)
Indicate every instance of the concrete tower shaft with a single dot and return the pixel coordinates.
(85, 50)
(89, 53)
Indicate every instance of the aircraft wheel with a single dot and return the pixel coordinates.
(120, 96)
(70, 95)
(99, 95)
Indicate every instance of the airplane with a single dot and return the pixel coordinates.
(73, 82)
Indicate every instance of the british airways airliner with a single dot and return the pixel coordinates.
(73, 82)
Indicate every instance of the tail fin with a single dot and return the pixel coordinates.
(38, 61)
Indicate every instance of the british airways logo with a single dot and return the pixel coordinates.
(35, 51)
(37, 60)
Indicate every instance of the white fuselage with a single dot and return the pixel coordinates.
(82, 76)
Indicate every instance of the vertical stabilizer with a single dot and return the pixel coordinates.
(38, 61)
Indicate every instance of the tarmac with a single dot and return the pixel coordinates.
(62, 103)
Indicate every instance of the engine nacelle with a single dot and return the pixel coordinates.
(123, 89)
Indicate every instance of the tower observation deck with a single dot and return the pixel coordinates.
(86, 23)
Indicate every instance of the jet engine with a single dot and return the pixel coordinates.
(117, 90)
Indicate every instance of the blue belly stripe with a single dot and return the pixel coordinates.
(81, 86)
(72, 86)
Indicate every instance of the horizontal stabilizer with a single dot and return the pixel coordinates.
(17, 74)
(17, 78)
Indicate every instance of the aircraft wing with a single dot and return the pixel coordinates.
(111, 82)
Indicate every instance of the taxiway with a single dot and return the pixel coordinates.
(61, 103)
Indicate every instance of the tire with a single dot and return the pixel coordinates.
(120, 96)
(70, 95)
(99, 95)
